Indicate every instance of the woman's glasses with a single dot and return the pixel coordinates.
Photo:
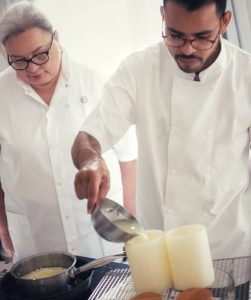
(37, 59)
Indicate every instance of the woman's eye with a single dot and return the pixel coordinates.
(41, 56)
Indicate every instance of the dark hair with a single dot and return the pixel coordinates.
(192, 5)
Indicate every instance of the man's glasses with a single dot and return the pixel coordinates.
(37, 59)
(198, 43)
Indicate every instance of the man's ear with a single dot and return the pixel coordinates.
(226, 20)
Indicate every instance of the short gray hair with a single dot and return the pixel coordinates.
(20, 17)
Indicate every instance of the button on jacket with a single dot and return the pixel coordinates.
(37, 173)
(193, 140)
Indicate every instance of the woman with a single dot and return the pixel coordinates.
(45, 97)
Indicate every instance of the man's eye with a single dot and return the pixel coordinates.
(202, 37)
(175, 36)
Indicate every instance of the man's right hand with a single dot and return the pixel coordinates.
(92, 182)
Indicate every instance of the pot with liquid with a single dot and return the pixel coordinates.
(51, 273)
(43, 274)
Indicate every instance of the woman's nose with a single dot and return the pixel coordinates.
(32, 67)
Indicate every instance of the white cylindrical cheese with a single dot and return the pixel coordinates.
(149, 263)
(190, 257)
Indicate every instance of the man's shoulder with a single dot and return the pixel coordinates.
(144, 57)
(236, 52)
(86, 73)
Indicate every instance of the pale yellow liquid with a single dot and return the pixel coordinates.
(43, 273)
(129, 226)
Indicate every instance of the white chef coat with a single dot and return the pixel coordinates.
(37, 173)
(193, 140)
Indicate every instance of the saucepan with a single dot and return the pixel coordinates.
(49, 273)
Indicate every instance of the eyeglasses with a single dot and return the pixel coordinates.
(198, 43)
(37, 59)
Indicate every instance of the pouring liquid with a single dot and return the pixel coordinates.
(130, 226)
(121, 218)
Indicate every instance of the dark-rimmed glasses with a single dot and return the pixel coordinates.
(198, 43)
(37, 59)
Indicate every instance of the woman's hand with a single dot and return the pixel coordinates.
(7, 245)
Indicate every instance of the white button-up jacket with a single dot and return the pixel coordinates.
(193, 140)
(37, 172)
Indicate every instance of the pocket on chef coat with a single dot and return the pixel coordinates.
(21, 235)
(223, 201)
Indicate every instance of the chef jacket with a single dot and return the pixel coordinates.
(193, 141)
(36, 168)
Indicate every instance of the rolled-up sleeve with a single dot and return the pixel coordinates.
(115, 113)
(126, 148)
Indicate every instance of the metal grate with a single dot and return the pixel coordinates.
(230, 275)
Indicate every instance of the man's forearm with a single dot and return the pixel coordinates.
(85, 149)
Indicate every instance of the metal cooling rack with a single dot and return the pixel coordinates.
(117, 284)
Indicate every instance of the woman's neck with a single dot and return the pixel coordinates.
(46, 91)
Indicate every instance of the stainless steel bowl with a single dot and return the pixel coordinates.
(114, 223)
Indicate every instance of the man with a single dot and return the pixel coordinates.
(45, 96)
(190, 99)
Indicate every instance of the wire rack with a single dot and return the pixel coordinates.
(231, 276)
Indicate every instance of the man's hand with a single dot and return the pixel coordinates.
(92, 182)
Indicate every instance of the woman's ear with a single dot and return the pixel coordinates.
(162, 12)
(56, 36)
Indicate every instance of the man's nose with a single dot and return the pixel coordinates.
(187, 48)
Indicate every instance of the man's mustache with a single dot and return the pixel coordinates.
(187, 56)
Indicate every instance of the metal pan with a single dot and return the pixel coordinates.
(57, 283)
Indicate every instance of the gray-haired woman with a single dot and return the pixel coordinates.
(45, 96)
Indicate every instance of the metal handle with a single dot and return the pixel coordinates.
(98, 263)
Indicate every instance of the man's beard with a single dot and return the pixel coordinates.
(188, 69)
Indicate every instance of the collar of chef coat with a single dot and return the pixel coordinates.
(210, 73)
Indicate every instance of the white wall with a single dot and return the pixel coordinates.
(103, 32)
(240, 28)
(3, 62)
